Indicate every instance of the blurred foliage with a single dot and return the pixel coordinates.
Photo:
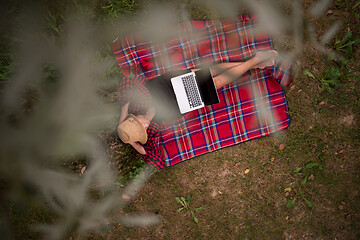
(54, 169)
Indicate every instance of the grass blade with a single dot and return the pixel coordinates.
(308, 203)
(296, 170)
(311, 165)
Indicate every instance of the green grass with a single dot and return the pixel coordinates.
(6, 61)
(352, 6)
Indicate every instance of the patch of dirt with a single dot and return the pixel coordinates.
(348, 120)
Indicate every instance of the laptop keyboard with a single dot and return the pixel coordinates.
(191, 90)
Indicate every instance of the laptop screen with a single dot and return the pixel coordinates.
(206, 86)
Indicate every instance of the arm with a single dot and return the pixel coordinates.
(124, 112)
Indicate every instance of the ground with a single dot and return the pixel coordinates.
(301, 183)
(245, 189)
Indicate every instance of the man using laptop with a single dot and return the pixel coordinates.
(139, 131)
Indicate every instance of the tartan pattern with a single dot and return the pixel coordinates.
(154, 154)
(197, 43)
(237, 118)
(133, 90)
(234, 120)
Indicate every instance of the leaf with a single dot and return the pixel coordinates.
(312, 177)
(200, 208)
(247, 171)
(184, 202)
(308, 203)
(83, 170)
(287, 189)
(290, 203)
(304, 181)
(311, 165)
(306, 72)
(180, 209)
(180, 201)
(125, 196)
(297, 170)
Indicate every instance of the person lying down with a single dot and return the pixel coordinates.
(132, 129)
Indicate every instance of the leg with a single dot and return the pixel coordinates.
(232, 74)
(261, 60)
(221, 67)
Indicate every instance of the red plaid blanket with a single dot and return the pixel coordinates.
(240, 114)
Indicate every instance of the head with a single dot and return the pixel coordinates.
(133, 129)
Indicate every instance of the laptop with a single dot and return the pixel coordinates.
(194, 90)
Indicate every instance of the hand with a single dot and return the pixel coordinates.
(264, 59)
(140, 149)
